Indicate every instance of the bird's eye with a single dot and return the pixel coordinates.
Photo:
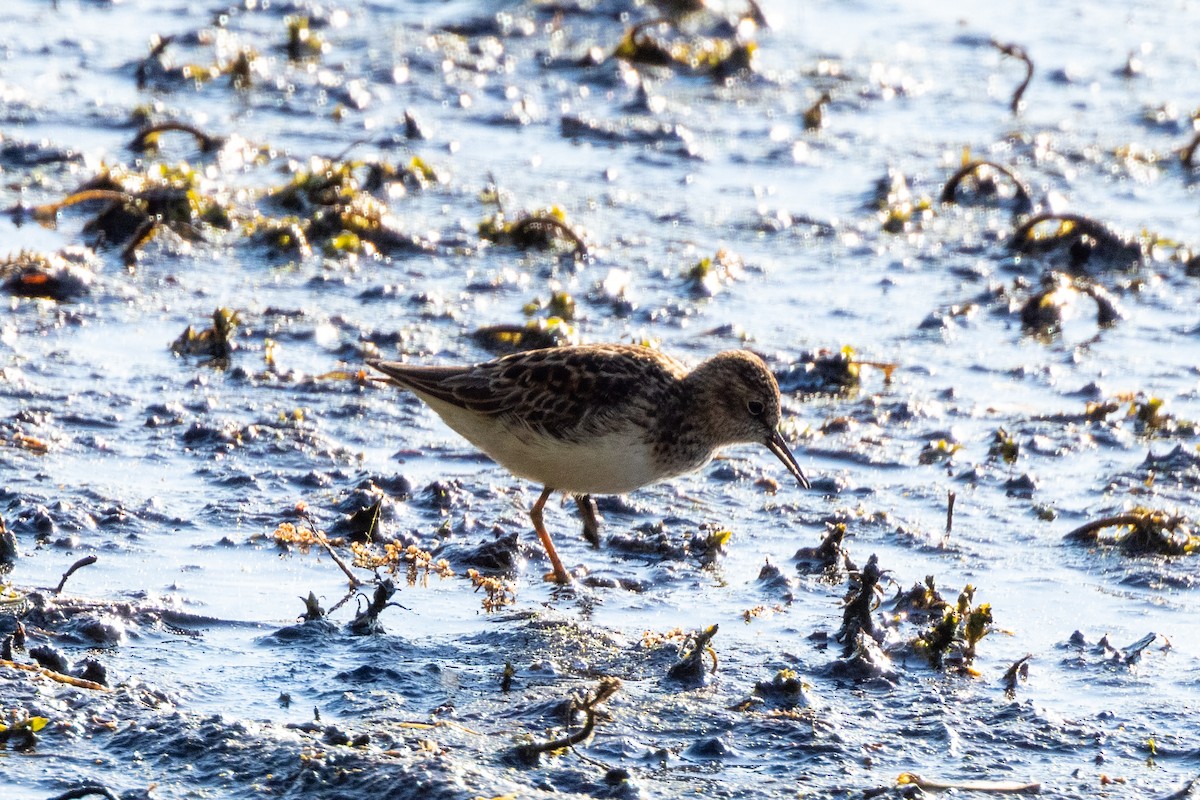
(754, 407)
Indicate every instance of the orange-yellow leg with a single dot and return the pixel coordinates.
(560, 574)
(591, 518)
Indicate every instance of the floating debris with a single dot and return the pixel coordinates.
(59, 676)
(921, 602)
(147, 138)
(62, 277)
(329, 203)
(862, 598)
(1083, 238)
(8, 554)
(20, 731)
(829, 558)
(366, 621)
(215, 343)
(828, 372)
(710, 274)
(1187, 156)
(1004, 447)
(362, 527)
(1045, 311)
(1017, 673)
(1017, 52)
(312, 609)
(690, 667)
(86, 561)
(999, 787)
(814, 115)
(303, 43)
(1142, 531)
(721, 57)
(1148, 416)
(937, 451)
(561, 305)
(497, 592)
(137, 206)
(533, 335)
(981, 177)
(540, 230)
(956, 635)
(785, 690)
(608, 686)
(418, 564)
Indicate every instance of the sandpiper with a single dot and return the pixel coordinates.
(601, 419)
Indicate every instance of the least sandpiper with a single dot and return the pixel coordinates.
(601, 419)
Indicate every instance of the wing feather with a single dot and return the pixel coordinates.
(564, 391)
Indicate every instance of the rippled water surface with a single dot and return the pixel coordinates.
(1041, 383)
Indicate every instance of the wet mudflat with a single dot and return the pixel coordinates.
(981, 309)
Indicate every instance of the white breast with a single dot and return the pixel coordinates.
(614, 463)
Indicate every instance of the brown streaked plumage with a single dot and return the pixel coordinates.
(601, 419)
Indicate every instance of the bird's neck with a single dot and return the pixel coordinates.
(682, 443)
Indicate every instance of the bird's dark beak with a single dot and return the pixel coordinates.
(779, 447)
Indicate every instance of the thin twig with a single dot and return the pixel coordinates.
(320, 537)
(999, 787)
(354, 580)
(1018, 52)
(607, 688)
(70, 680)
(352, 593)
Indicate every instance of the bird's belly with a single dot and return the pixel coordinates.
(606, 465)
(612, 463)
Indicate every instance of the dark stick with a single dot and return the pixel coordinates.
(1018, 52)
(87, 791)
(83, 562)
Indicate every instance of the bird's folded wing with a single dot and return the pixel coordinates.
(558, 391)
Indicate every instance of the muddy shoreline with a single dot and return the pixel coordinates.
(980, 307)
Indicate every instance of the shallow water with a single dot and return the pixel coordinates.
(175, 473)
